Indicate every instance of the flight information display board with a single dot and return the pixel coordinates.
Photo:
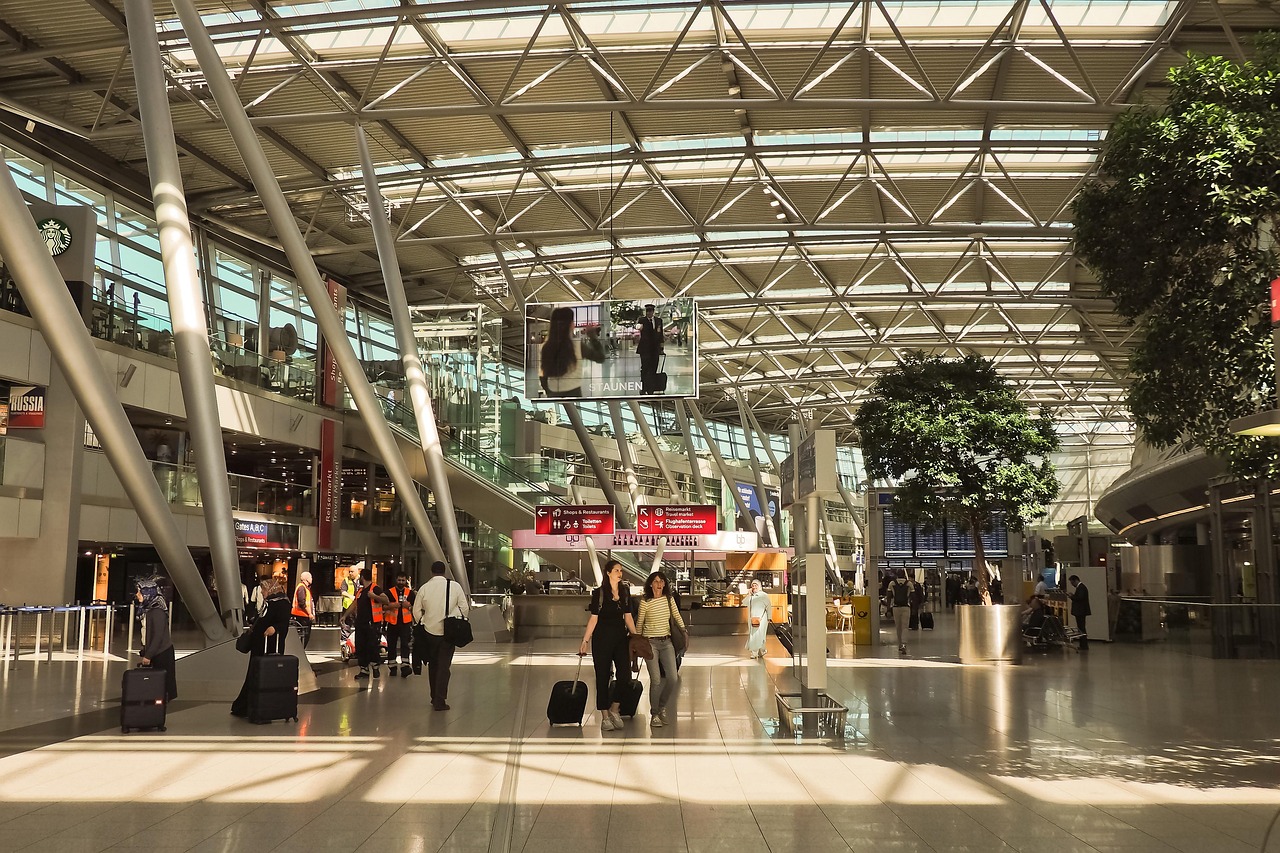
(898, 540)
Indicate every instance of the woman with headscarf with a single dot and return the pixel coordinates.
(560, 362)
(758, 607)
(157, 643)
(268, 632)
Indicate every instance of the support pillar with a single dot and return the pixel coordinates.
(1264, 552)
(415, 376)
(717, 566)
(658, 455)
(762, 495)
(51, 306)
(330, 324)
(186, 307)
(593, 459)
(815, 582)
(624, 454)
(723, 468)
(1221, 591)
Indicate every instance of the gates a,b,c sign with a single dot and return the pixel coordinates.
(571, 520)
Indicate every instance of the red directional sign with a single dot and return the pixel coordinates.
(567, 520)
(676, 519)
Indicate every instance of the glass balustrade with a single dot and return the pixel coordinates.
(180, 486)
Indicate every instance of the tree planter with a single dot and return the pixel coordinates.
(990, 633)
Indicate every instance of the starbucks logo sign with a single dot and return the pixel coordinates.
(56, 234)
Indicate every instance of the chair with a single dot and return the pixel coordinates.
(845, 622)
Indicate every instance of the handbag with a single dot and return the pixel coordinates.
(679, 639)
(457, 630)
(638, 646)
(244, 643)
(755, 621)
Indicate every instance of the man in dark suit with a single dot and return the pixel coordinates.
(1080, 608)
(649, 348)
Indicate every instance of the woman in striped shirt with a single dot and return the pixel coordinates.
(657, 613)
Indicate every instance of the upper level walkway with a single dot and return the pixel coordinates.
(1126, 748)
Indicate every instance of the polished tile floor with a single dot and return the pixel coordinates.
(1126, 748)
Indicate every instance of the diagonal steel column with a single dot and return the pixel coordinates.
(593, 459)
(722, 466)
(624, 454)
(64, 331)
(761, 495)
(768, 446)
(186, 306)
(658, 455)
(295, 248)
(683, 420)
(415, 376)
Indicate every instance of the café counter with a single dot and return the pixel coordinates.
(557, 616)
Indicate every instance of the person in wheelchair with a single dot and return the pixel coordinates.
(1040, 628)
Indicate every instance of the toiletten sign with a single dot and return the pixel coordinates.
(26, 407)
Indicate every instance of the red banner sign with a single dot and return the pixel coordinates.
(1275, 300)
(691, 518)
(330, 381)
(329, 483)
(565, 520)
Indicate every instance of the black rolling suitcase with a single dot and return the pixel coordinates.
(783, 632)
(273, 688)
(926, 621)
(568, 702)
(628, 700)
(142, 700)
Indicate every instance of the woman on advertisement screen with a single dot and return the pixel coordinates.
(560, 364)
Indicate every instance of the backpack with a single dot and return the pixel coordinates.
(901, 593)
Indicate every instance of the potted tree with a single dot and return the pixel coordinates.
(959, 444)
(1179, 227)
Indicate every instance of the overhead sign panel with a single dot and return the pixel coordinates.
(611, 350)
(720, 542)
(680, 518)
(590, 520)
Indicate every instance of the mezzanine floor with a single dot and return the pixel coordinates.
(1126, 748)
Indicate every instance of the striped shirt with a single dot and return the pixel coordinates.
(655, 616)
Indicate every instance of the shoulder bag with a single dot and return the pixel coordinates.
(457, 630)
(679, 639)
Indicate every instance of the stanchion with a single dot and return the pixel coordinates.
(48, 653)
(39, 631)
(106, 637)
(128, 631)
(80, 624)
(66, 628)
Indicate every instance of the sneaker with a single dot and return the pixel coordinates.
(902, 650)
(655, 720)
(606, 722)
(405, 672)
(617, 719)
(663, 715)
(377, 672)
(363, 673)
(392, 670)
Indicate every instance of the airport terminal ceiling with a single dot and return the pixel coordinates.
(835, 183)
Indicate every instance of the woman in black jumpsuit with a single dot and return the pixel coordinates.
(607, 631)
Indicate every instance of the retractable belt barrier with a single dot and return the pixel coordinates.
(40, 625)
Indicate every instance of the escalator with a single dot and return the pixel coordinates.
(492, 487)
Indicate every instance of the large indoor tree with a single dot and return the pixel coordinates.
(1178, 229)
(959, 444)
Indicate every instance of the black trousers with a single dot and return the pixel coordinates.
(439, 657)
(167, 661)
(398, 636)
(609, 654)
(1084, 639)
(368, 644)
(304, 629)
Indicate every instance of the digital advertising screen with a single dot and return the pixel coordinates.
(611, 350)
